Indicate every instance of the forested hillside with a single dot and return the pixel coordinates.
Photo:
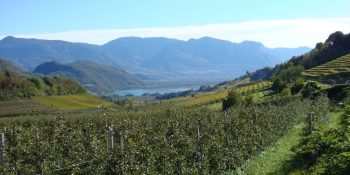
(14, 87)
(93, 76)
(335, 46)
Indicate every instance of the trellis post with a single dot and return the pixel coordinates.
(199, 150)
(2, 147)
(111, 139)
(310, 122)
(36, 134)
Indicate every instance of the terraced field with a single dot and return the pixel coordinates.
(214, 97)
(337, 66)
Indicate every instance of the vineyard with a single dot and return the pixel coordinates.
(72, 102)
(215, 97)
(175, 140)
(337, 66)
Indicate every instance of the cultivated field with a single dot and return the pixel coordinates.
(73, 102)
(337, 66)
(215, 97)
(20, 106)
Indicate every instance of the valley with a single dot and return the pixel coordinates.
(61, 125)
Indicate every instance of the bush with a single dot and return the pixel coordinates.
(233, 98)
(278, 85)
(285, 92)
(297, 86)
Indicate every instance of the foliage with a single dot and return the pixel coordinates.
(310, 89)
(297, 85)
(278, 85)
(233, 98)
(338, 92)
(290, 74)
(62, 86)
(14, 87)
(325, 151)
(219, 96)
(173, 95)
(131, 106)
(150, 142)
(285, 92)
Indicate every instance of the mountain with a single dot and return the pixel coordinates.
(29, 53)
(152, 59)
(93, 76)
(7, 65)
(137, 50)
(284, 54)
(204, 57)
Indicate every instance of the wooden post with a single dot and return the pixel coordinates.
(111, 139)
(121, 141)
(36, 134)
(2, 147)
(310, 122)
(199, 150)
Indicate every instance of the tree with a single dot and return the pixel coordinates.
(37, 82)
(335, 40)
(131, 106)
(297, 85)
(278, 85)
(319, 46)
(310, 89)
(2, 76)
(248, 99)
(233, 98)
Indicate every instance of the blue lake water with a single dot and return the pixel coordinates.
(139, 92)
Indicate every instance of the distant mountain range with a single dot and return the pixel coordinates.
(153, 58)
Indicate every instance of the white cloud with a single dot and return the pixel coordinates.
(272, 33)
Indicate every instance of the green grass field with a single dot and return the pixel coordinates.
(73, 102)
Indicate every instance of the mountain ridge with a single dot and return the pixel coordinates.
(161, 59)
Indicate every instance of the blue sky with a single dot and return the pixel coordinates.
(275, 23)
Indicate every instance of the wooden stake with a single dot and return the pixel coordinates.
(2, 147)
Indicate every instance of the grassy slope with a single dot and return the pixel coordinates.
(72, 102)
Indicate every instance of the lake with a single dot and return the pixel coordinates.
(139, 92)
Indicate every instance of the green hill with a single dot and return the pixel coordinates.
(93, 76)
(7, 65)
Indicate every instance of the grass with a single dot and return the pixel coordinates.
(73, 102)
(272, 160)
(269, 161)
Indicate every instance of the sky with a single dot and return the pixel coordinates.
(274, 23)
